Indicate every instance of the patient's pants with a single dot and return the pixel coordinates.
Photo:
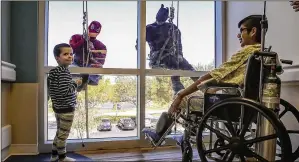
(166, 120)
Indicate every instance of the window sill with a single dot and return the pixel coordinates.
(8, 72)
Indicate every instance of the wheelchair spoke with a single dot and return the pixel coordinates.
(225, 155)
(255, 155)
(218, 149)
(283, 112)
(245, 125)
(242, 158)
(231, 157)
(217, 132)
(278, 143)
(229, 124)
(260, 139)
(293, 131)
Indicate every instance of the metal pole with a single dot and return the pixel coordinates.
(86, 37)
(266, 149)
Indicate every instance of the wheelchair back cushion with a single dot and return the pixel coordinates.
(252, 79)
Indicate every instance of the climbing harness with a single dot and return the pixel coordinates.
(172, 34)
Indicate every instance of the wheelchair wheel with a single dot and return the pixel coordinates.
(237, 145)
(290, 108)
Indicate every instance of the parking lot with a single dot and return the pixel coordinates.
(115, 132)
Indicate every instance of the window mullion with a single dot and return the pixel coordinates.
(141, 65)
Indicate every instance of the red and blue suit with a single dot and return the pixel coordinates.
(97, 52)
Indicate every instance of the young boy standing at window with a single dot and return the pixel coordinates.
(62, 90)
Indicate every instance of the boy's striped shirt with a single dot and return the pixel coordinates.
(62, 90)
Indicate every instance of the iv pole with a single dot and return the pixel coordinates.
(266, 149)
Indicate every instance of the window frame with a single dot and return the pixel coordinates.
(141, 72)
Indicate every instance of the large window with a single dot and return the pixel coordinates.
(112, 109)
(131, 95)
(196, 22)
(119, 28)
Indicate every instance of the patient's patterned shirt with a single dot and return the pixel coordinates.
(233, 71)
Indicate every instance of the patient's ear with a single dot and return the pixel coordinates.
(253, 31)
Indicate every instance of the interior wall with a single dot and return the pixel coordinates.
(19, 46)
(282, 34)
(5, 95)
(5, 31)
(5, 56)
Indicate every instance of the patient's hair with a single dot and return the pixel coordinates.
(253, 21)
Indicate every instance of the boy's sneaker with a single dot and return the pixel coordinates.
(67, 159)
(54, 158)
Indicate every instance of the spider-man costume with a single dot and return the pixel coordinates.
(96, 57)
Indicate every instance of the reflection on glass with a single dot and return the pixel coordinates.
(112, 109)
(196, 34)
(118, 32)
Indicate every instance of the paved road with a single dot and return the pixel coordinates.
(115, 132)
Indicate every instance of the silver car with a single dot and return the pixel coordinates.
(126, 124)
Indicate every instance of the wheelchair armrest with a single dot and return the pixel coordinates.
(211, 84)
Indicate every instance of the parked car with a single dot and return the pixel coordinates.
(105, 125)
(147, 123)
(126, 124)
(154, 122)
(134, 120)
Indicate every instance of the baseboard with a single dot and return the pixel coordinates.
(23, 149)
(5, 154)
(8, 72)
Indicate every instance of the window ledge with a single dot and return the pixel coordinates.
(8, 72)
(291, 74)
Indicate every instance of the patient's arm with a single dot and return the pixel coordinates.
(193, 87)
(204, 85)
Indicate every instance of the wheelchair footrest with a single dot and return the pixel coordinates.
(153, 143)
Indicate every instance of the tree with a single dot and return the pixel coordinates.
(79, 123)
(101, 93)
(205, 67)
(160, 90)
(96, 95)
(125, 89)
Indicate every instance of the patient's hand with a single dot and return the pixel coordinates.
(295, 5)
(175, 105)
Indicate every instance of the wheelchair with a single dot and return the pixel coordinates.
(239, 124)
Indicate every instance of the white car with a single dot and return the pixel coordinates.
(147, 123)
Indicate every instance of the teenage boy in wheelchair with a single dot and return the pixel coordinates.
(232, 71)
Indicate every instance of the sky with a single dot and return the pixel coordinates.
(119, 28)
